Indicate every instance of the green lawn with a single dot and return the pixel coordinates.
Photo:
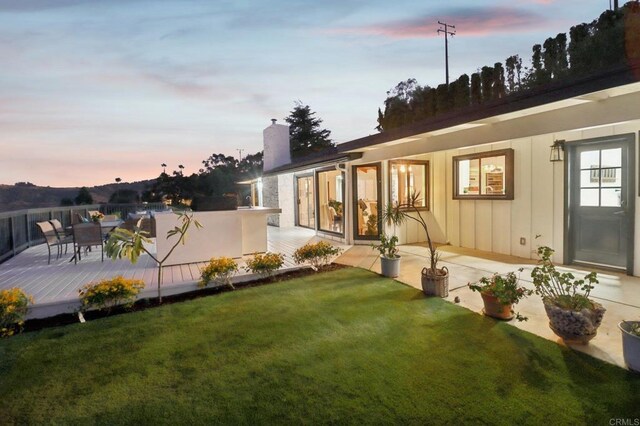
(341, 347)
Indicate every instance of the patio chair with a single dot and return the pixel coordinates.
(77, 218)
(51, 239)
(64, 235)
(86, 235)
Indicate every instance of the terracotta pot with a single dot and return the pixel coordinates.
(435, 284)
(576, 327)
(493, 308)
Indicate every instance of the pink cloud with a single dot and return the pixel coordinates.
(468, 22)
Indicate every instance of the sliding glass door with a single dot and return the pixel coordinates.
(366, 201)
(306, 200)
(330, 196)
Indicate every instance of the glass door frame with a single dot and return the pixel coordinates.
(296, 206)
(570, 196)
(317, 199)
(354, 200)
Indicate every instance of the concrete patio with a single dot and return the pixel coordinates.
(620, 294)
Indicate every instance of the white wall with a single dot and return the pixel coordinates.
(286, 199)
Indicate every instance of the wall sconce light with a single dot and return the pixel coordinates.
(557, 150)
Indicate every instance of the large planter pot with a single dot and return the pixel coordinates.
(630, 346)
(435, 284)
(390, 266)
(493, 308)
(577, 327)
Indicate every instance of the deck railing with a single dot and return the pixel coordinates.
(18, 229)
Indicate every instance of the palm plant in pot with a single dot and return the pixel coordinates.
(631, 344)
(499, 294)
(572, 315)
(389, 257)
(435, 281)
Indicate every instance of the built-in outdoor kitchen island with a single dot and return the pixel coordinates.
(229, 233)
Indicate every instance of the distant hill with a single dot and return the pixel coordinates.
(28, 196)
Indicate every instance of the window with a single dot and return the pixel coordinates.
(485, 175)
(330, 190)
(406, 178)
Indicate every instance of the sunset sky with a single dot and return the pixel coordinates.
(91, 90)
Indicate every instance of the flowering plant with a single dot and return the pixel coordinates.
(318, 254)
(97, 216)
(13, 307)
(220, 270)
(109, 293)
(265, 264)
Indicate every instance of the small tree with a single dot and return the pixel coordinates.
(130, 244)
(84, 196)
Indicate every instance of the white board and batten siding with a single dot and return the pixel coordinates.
(537, 209)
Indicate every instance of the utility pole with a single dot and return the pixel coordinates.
(240, 152)
(447, 32)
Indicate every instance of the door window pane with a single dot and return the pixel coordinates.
(610, 197)
(367, 201)
(306, 201)
(611, 158)
(589, 197)
(611, 177)
(589, 178)
(331, 202)
(590, 159)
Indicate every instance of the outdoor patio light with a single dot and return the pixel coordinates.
(557, 150)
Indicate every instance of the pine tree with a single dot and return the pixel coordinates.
(304, 130)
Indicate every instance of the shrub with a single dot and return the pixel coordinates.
(265, 264)
(109, 293)
(388, 247)
(220, 270)
(13, 307)
(318, 254)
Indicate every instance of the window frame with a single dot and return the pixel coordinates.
(508, 173)
(427, 181)
(317, 197)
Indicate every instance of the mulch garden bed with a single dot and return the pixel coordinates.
(149, 303)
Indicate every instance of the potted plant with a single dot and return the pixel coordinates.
(435, 281)
(631, 344)
(389, 258)
(572, 315)
(499, 293)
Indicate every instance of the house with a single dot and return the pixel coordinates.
(489, 175)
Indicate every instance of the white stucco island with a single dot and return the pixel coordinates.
(229, 233)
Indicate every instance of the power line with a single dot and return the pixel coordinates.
(447, 32)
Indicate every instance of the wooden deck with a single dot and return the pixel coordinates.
(55, 287)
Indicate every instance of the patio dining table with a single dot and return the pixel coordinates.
(106, 227)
